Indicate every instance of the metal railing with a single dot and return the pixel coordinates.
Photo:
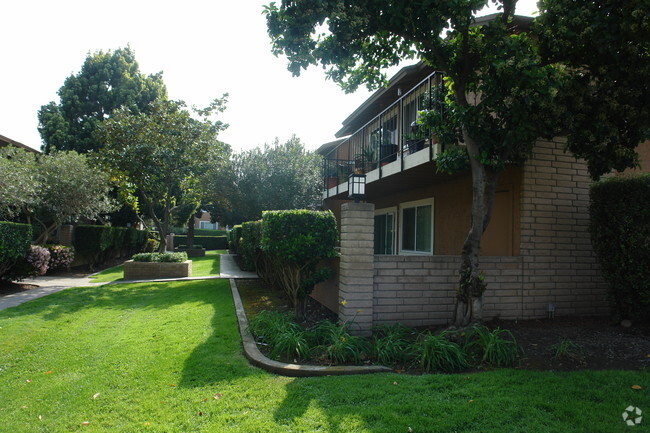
(388, 137)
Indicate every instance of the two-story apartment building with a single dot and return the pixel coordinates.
(536, 253)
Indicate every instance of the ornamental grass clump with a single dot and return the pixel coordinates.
(497, 347)
(392, 345)
(436, 353)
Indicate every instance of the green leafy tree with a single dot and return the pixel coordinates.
(499, 94)
(162, 155)
(278, 177)
(106, 82)
(605, 47)
(53, 189)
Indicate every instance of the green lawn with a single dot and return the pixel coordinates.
(201, 267)
(151, 357)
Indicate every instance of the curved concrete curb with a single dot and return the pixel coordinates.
(256, 357)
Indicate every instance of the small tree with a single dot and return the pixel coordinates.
(163, 155)
(295, 241)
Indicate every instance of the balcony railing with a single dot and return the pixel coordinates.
(388, 137)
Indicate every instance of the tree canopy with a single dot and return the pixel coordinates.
(160, 157)
(499, 93)
(279, 176)
(52, 189)
(107, 81)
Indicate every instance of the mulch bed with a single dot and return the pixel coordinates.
(596, 342)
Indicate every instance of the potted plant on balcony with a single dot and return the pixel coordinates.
(369, 155)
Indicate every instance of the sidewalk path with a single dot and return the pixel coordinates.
(52, 284)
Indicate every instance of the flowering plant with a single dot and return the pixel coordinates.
(38, 257)
(61, 257)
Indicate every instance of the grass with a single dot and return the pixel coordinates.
(151, 357)
(201, 267)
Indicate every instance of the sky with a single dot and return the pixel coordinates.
(205, 48)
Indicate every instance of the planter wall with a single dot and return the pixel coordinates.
(152, 270)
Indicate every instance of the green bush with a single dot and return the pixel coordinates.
(496, 347)
(15, 240)
(251, 236)
(437, 353)
(234, 237)
(620, 235)
(336, 344)
(294, 241)
(392, 344)
(209, 242)
(160, 257)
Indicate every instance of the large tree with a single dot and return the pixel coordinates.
(162, 156)
(279, 176)
(107, 81)
(499, 95)
(52, 189)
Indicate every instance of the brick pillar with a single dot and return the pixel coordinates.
(66, 235)
(357, 266)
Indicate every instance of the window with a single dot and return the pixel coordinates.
(416, 227)
(385, 232)
(207, 225)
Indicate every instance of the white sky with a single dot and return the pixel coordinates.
(204, 47)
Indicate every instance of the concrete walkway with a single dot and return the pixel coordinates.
(52, 284)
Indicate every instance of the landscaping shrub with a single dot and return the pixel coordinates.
(38, 258)
(61, 257)
(496, 347)
(234, 237)
(15, 241)
(251, 237)
(437, 353)
(208, 242)
(620, 235)
(392, 344)
(267, 325)
(294, 241)
(160, 257)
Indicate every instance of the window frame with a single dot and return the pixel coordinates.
(385, 211)
(400, 226)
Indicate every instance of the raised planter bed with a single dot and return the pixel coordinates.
(152, 270)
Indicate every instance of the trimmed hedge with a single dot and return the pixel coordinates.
(208, 242)
(234, 238)
(102, 242)
(251, 238)
(161, 257)
(15, 242)
(293, 243)
(620, 235)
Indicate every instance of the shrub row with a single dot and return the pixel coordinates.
(15, 240)
(103, 242)
(38, 260)
(198, 232)
(620, 235)
(234, 238)
(208, 242)
(396, 346)
(285, 247)
(160, 257)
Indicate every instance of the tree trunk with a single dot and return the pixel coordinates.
(190, 232)
(469, 293)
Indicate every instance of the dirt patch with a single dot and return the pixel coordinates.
(592, 343)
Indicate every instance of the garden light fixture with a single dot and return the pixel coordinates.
(357, 187)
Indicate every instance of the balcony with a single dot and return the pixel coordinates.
(388, 144)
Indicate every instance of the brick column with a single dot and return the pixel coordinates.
(66, 235)
(357, 266)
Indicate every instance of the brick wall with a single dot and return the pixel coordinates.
(558, 262)
(420, 290)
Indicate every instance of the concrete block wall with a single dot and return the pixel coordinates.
(558, 261)
(421, 290)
